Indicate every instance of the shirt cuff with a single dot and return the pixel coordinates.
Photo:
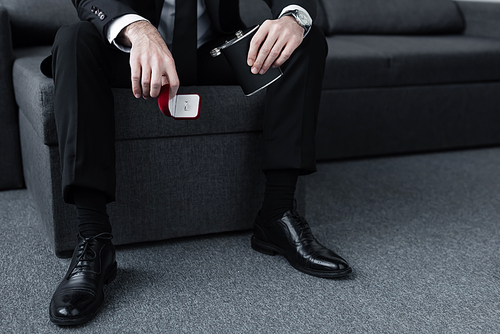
(296, 7)
(117, 25)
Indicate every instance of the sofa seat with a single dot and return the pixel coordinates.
(365, 61)
(34, 92)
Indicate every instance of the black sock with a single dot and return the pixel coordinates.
(279, 194)
(91, 209)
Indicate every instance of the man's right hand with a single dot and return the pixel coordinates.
(151, 63)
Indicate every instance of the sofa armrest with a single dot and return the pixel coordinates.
(11, 174)
(6, 55)
(482, 18)
(8, 109)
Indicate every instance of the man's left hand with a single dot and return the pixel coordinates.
(274, 43)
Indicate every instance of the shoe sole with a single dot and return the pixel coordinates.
(269, 249)
(110, 276)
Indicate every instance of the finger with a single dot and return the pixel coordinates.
(273, 55)
(156, 81)
(164, 80)
(146, 82)
(264, 51)
(135, 69)
(174, 87)
(172, 78)
(256, 42)
(286, 53)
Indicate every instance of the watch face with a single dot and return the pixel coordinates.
(302, 18)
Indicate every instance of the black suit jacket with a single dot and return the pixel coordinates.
(224, 14)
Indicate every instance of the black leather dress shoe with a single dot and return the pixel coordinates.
(80, 296)
(291, 237)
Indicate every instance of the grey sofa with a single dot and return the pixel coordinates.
(402, 76)
(406, 76)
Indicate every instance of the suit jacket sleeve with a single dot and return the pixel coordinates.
(278, 5)
(102, 12)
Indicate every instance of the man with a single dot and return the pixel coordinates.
(117, 44)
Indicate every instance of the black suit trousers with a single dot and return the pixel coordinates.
(85, 69)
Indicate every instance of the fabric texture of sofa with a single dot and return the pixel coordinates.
(401, 76)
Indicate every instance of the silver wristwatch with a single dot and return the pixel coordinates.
(302, 19)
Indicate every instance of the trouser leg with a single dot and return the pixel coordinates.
(291, 108)
(84, 68)
(292, 102)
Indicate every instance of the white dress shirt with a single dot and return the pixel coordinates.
(166, 26)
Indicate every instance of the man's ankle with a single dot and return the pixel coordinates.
(279, 194)
(91, 210)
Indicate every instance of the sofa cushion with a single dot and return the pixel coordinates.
(356, 61)
(390, 16)
(36, 22)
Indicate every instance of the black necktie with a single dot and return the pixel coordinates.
(184, 43)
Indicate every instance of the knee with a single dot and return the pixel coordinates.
(82, 32)
(316, 42)
(313, 47)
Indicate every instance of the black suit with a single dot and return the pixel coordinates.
(85, 67)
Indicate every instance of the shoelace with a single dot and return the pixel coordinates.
(305, 230)
(84, 250)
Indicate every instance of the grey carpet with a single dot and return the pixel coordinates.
(422, 233)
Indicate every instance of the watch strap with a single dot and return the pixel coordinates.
(295, 12)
